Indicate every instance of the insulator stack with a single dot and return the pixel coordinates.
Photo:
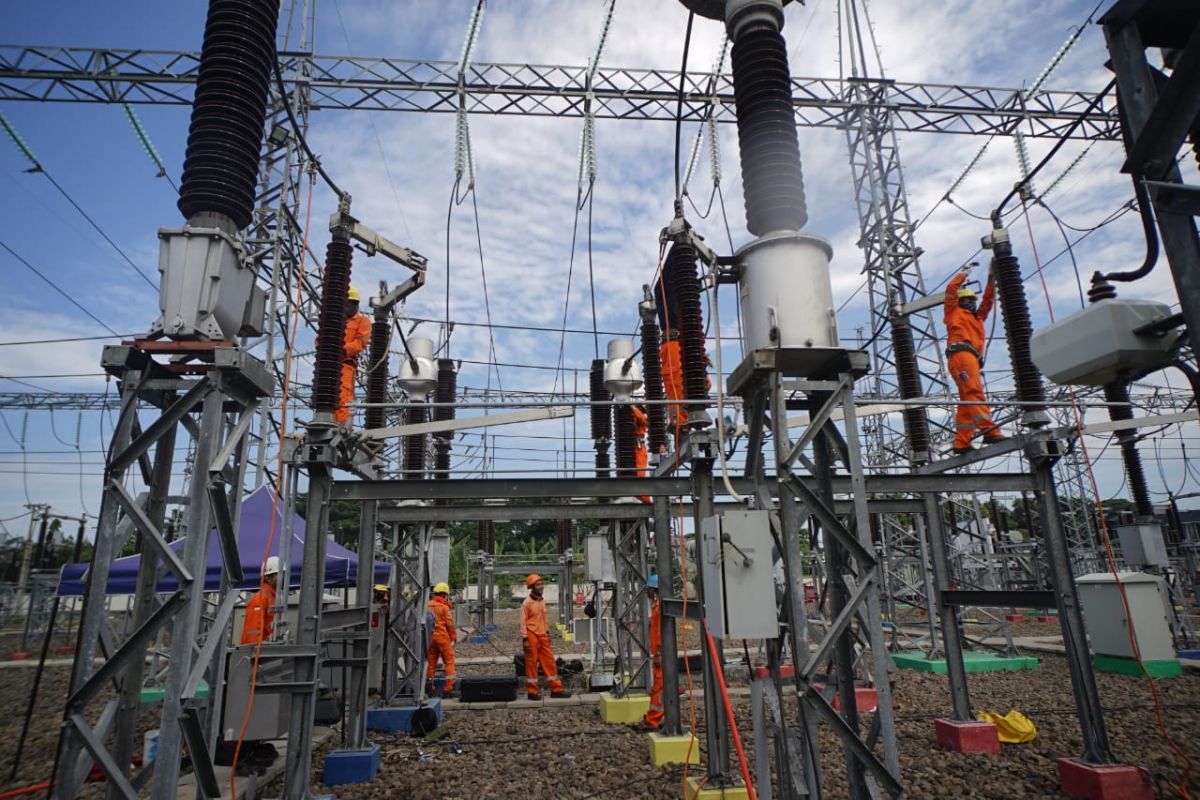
(656, 417)
(331, 325)
(1017, 326)
(414, 446)
(772, 179)
(377, 374)
(685, 284)
(916, 423)
(446, 392)
(1118, 392)
(626, 466)
(601, 417)
(1100, 289)
(229, 111)
(563, 528)
(486, 537)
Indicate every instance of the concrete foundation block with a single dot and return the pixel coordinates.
(387, 719)
(735, 792)
(623, 710)
(1103, 782)
(351, 766)
(967, 737)
(673, 749)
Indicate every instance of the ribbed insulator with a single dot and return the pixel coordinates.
(772, 179)
(1100, 289)
(908, 376)
(331, 326)
(377, 371)
(656, 416)
(229, 111)
(485, 539)
(563, 529)
(414, 446)
(685, 288)
(1118, 392)
(1017, 326)
(601, 417)
(624, 441)
(446, 392)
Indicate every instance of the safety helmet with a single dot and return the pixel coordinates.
(381, 587)
(441, 587)
(652, 582)
(353, 295)
(964, 293)
(271, 567)
(531, 580)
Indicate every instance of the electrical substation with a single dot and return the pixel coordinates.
(792, 548)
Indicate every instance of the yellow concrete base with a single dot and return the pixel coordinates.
(673, 749)
(568, 637)
(561, 626)
(623, 710)
(715, 792)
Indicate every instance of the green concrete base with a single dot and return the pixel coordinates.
(673, 749)
(973, 661)
(1165, 668)
(714, 792)
(623, 710)
(154, 694)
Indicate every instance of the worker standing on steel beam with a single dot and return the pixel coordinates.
(654, 716)
(259, 623)
(535, 640)
(357, 337)
(965, 356)
(443, 637)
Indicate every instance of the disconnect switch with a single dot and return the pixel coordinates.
(739, 580)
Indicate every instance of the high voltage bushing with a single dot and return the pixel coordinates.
(1118, 392)
(229, 110)
(377, 376)
(772, 178)
(626, 464)
(601, 417)
(656, 417)
(485, 538)
(916, 423)
(685, 284)
(331, 325)
(447, 390)
(414, 446)
(563, 529)
(1017, 326)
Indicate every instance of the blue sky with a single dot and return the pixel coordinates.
(399, 168)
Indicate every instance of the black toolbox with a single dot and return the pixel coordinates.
(487, 688)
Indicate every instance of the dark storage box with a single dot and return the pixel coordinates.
(487, 688)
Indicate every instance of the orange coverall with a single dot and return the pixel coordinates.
(654, 716)
(441, 644)
(536, 635)
(358, 336)
(260, 618)
(963, 326)
(640, 425)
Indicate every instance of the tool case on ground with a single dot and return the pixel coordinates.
(490, 688)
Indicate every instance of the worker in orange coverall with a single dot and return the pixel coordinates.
(358, 336)
(964, 353)
(535, 639)
(641, 425)
(444, 635)
(259, 623)
(672, 375)
(654, 716)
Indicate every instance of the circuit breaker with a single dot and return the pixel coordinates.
(739, 583)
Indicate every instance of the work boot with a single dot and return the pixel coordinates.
(958, 451)
(532, 696)
(560, 695)
(992, 438)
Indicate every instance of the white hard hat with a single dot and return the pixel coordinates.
(272, 566)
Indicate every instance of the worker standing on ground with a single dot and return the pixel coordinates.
(654, 716)
(443, 637)
(965, 354)
(259, 623)
(535, 639)
(357, 337)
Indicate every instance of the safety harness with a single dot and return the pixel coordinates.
(964, 347)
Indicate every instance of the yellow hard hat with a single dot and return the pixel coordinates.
(380, 587)
(441, 588)
(353, 295)
(965, 293)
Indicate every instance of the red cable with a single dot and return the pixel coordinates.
(37, 787)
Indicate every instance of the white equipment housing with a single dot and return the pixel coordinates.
(1098, 345)
(787, 294)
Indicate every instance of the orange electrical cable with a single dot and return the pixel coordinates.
(737, 737)
(287, 374)
(1110, 558)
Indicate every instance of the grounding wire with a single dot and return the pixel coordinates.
(487, 306)
(687, 43)
(56, 288)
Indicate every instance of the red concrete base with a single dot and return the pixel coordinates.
(1047, 619)
(1107, 782)
(865, 697)
(21, 655)
(65, 651)
(967, 737)
(1015, 617)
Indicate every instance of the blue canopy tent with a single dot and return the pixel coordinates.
(254, 529)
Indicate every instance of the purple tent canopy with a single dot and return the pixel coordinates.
(254, 529)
